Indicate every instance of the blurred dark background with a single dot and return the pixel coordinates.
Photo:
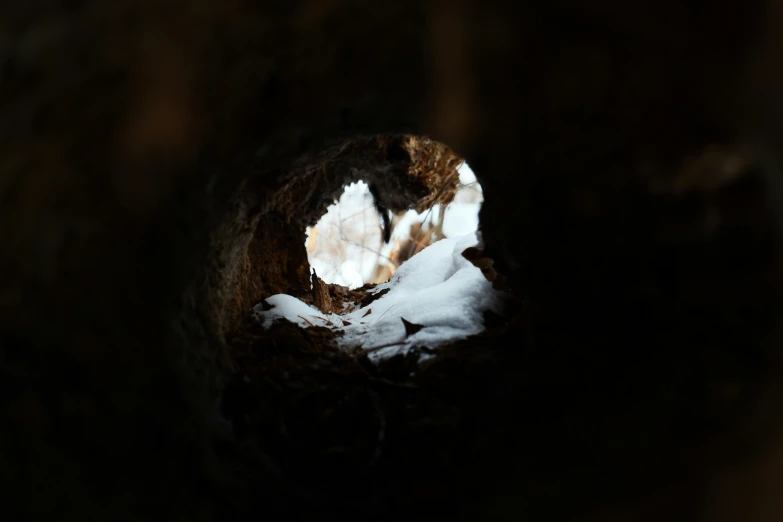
(630, 158)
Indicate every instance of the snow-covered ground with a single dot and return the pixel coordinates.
(346, 247)
(437, 289)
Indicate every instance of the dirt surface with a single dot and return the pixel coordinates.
(629, 155)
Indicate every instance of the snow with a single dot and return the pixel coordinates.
(438, 289)
(349, 239)
(289, 307)
(461, 219)
(462, 214)
(348, 247)
(466, 175)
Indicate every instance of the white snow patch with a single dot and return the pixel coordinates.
(467, 176)
(462, 214)
(461, 219)
(437, 289)
(349, 239)
(288, 307)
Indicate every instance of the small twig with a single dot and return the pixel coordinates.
(345, 239)
(327, 321)
(384, 313)
(305, 320)
(355, 214)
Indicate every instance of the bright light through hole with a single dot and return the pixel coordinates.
(346, 246)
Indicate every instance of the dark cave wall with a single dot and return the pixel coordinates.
(259, 250)
(128, 129)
